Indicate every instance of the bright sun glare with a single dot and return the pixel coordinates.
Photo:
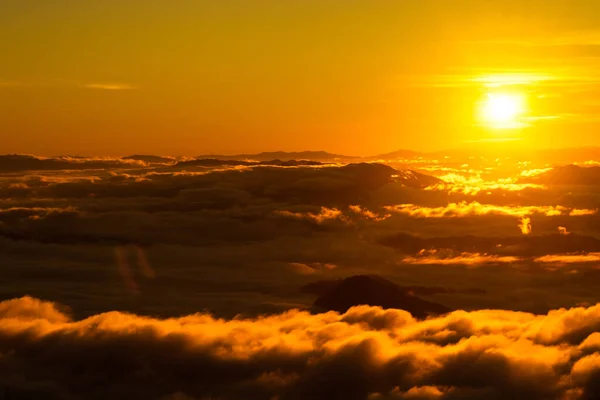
(502, 110)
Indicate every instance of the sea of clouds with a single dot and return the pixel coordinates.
(156, 277)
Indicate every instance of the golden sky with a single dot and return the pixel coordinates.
(191, 77)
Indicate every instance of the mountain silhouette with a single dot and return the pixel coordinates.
(282, 155)
(150, 159)
(375, 291)
(568, 175)
(218, 162)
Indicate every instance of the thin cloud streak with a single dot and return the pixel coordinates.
(464, 209)
(17, 84)
(448, 257)
(93, 85)
(475, 186)
(109, 86)
(435, 257)
(569, 258)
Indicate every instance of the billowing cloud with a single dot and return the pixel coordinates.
(366, 353)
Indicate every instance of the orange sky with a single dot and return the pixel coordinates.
(191, 77)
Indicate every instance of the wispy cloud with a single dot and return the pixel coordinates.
(324, 215)
(473, 186)
(440, 257)
(525, 225)
(92, 85)
(490, 79)
(481, 78)
(464, 209)
(8, 84)
(109, 86)
(569, 258)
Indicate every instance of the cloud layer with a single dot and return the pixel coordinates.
(366, 353)
(168, 236)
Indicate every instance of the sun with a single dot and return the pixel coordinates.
(502, 110)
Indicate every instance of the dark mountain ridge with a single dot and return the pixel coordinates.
(375, 291)
(568, 175)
